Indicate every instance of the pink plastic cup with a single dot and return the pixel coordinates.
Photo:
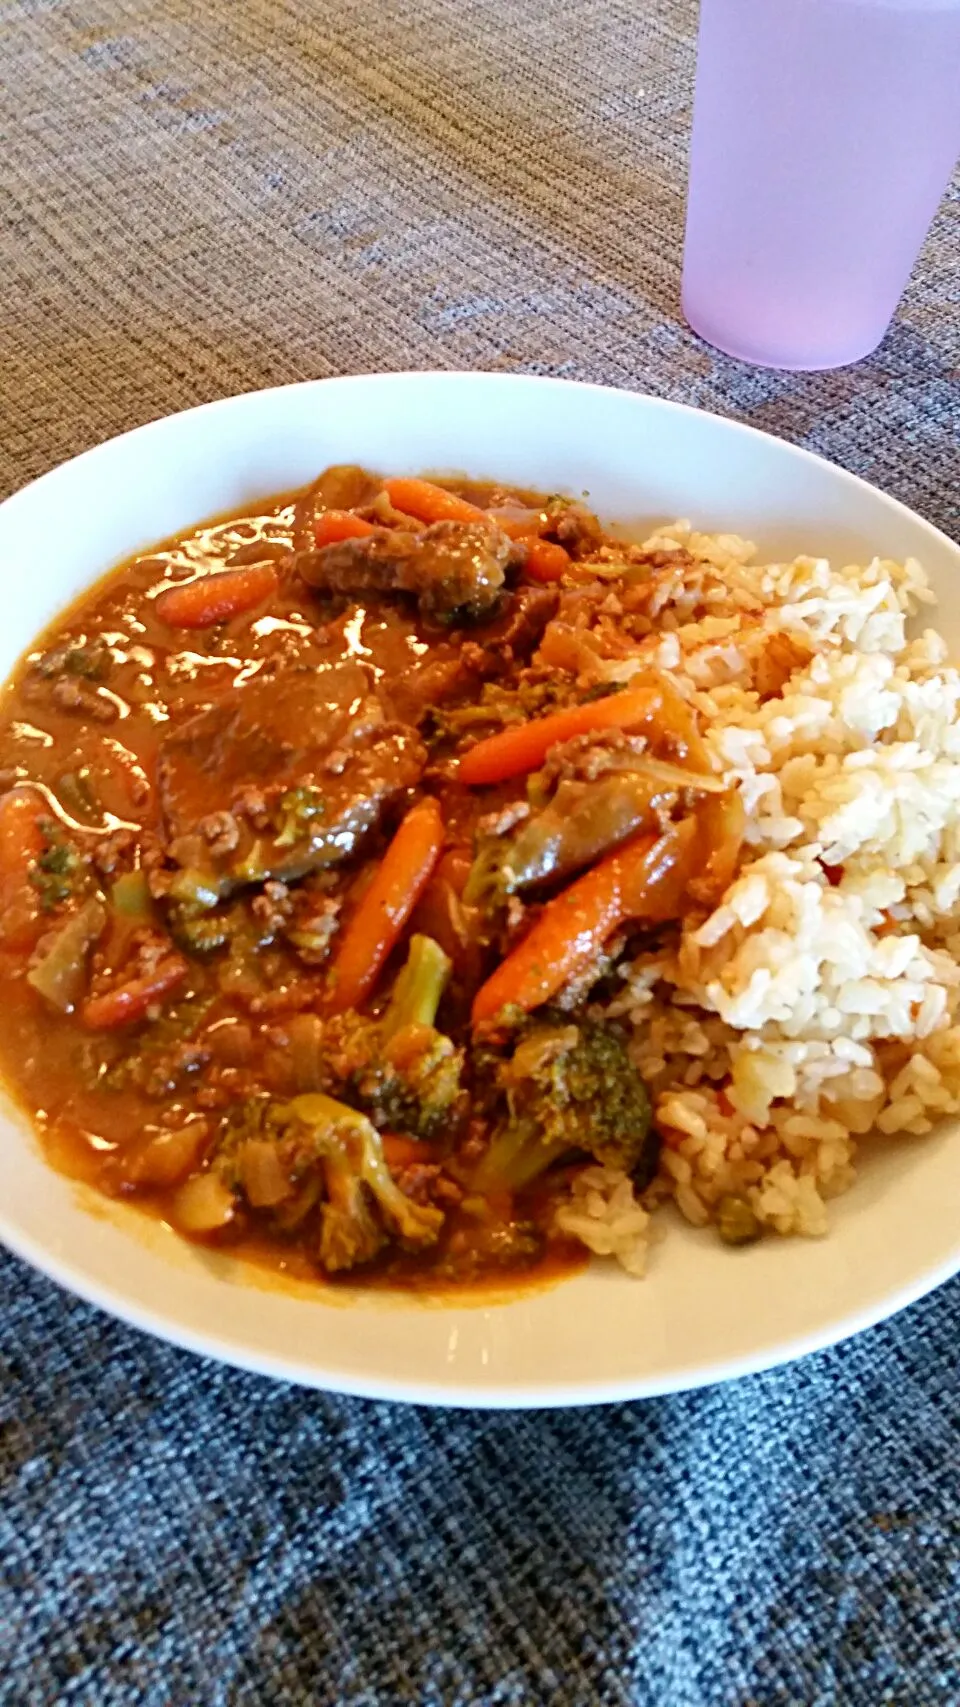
(824, 134)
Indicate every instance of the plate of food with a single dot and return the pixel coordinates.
(479, 890)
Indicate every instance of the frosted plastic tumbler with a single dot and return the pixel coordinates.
(824, 135)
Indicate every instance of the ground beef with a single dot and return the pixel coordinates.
(221, 831)
(296, 999)
(272, 908)
(115, 852)
(509, 641)
(500, 823)
(168, 1071)
(425, 1182)
(312, 925)
(90, 661)
(146, 951)
(69, 694)
(588, 757)
(578, 530)
(251, 803)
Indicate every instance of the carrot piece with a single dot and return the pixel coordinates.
(386, 905)
(546, 561)
(565, 940)
(645, 879)
(523, 747)
(21, 844)
(400, 1152)
(217, 597)
(430, 503)
(332, 526)
(127, 1003)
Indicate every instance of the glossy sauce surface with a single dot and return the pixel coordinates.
(86, 740)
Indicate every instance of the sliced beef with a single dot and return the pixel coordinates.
(454, 667)
(508, 643)
(453, 569)
(301, 766)
(426, 684)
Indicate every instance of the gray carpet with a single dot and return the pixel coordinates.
(196, 200)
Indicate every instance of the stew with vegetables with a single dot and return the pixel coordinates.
(323, 829)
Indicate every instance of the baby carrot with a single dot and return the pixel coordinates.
(217, 597)
(332, 526)
(522, 747)
(565, 940)
(430, 503)
(126, 1003)
(546, 561)
(400, 1152)
(386, 905)
(645, 879)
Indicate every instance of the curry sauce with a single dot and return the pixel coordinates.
(318, 840)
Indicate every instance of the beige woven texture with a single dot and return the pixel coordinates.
(200, 199)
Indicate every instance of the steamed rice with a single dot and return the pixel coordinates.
(817, 1006)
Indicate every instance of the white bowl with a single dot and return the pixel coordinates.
(704, 1313)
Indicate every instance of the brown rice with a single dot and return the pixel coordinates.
(817, 1006)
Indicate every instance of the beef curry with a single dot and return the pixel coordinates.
(322, 832)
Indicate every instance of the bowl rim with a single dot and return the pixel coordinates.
(509, 1396)
(485, 377)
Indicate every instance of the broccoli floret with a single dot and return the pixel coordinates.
(59, 873)
(569, 1088)
(418, 1083)
(202, 935)
(490, 880)
(350, 1233)
(298, 808)
(496, 707)
(356, 1177)
(419, 986)
(318, 1137)
(401, 1069)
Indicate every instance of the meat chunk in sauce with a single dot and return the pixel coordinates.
(514, 635)
(283, 776)
(454, 669)
(453, 569)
